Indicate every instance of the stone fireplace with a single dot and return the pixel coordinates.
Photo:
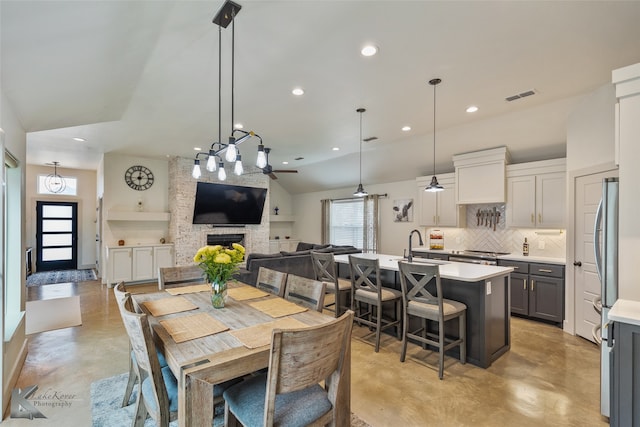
(188, 237)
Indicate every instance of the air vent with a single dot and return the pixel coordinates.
(371, 138)
(520, 95)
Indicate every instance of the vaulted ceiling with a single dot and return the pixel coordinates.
(141, 78)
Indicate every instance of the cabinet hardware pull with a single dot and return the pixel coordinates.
(540, 218)
(434, 219)
(544, 270)
(532, 289)
(516, 268)
(533, 218)
(524, 283)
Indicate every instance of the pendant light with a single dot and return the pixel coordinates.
(55, 183)
(360, 192)
(434, 186)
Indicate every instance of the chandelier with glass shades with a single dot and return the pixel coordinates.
(225, 16)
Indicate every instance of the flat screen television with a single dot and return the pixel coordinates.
(222, 204)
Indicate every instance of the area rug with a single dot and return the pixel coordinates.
(60, 276)
(106, 398)
(55, 313)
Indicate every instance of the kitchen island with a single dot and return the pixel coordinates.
(483, 288)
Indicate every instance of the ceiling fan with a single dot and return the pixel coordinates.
(268, 169)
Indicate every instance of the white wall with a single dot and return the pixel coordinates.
(629, 231)
(14, 349)
(86, 200)
(118, 196)
(394, 236)
(590, 130)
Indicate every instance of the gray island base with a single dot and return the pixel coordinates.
(483, 288)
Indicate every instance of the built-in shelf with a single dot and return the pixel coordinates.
(137, 216)
(282, 218)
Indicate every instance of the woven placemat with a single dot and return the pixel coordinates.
(260, 335)
(170, 305)
(277, 307)
(242, 293)
(179, 290)
(187, 328)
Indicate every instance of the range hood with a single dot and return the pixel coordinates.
(481, 176)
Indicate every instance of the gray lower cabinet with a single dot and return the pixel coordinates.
(625, 377)
(537, 290)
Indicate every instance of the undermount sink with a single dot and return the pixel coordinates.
(421, 260)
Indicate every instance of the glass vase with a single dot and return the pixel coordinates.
(218, 294)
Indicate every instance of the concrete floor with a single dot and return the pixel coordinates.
(547, 378)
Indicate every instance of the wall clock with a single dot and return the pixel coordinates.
(139, 177)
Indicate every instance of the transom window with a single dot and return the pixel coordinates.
(71, 188)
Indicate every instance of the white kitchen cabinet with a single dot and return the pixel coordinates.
(536, 194)
(162, 257)
(439, 209)
(282, 245)
(137, 263)
(142, 265)
(119, 264)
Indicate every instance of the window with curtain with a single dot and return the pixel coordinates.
(351, 222)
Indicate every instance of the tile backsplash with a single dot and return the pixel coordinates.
(548, 243)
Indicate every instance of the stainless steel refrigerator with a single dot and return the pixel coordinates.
(606, 255)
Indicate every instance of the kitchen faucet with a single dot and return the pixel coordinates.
(410, 257)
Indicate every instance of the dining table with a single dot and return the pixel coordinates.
(205, 346)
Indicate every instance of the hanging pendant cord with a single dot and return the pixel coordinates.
(233, 64)
(219, 84)
(361, 147)
(434, 130)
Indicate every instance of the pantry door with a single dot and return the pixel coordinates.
(56, 236)
(588, 192)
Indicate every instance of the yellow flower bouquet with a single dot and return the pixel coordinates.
(219, 264)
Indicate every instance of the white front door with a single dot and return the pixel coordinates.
(588, 192)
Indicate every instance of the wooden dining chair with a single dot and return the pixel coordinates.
(271, 281)
(418, 301)
(289, 394)
(122, 298)
(324, 267)
(366, 288)
(305, 292)
(177, 276)
(158, 396)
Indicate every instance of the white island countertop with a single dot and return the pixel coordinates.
(625, 311)
(461, 271)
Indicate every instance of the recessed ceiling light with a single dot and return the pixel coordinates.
(406, 128)
(472, 109)
(285, 163)
(197, 149)
(336, 148)
(369, 50)
(297, 91)
(238, 126)
(79, 139)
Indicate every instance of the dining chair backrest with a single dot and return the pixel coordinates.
(305, 292)
(365, 274)
(324, 267)
(140, 336)
(177, 276)
(414, 279)
(303, 357)
(271, 281)
(122, 297)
